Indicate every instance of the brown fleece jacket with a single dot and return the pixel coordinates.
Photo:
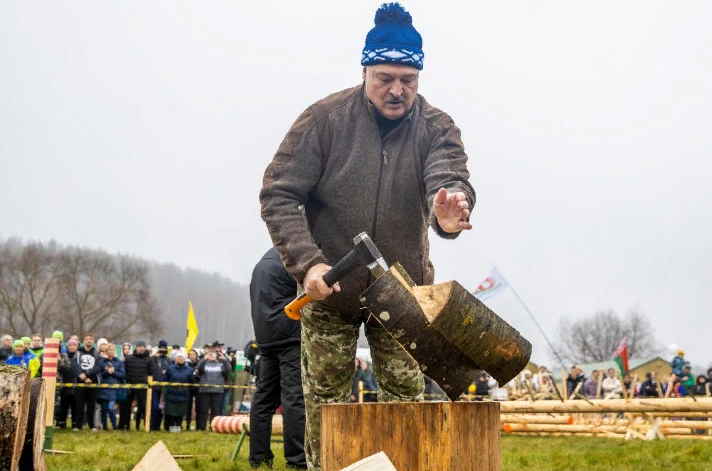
(334, 163)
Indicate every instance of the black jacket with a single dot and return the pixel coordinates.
(138, 368)
(160, 364)
(649, 388)
(67, 372)
(271, 289)
(572, 383)
(87, 362)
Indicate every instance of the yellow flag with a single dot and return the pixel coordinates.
(192, 332)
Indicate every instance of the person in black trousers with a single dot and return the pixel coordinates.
(212, 371)
(68, 374)
(137, 368)
(193, 395)
(279, 379)
(87, 368)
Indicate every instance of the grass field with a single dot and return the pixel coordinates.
(119, 451)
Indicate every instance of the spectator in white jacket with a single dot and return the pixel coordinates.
(612, 388)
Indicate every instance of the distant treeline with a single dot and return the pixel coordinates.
(46, 287)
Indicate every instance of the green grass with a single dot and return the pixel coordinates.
(118, 451)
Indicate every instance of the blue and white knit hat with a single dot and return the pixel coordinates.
(393, 39)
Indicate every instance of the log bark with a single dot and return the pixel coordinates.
(535, 419)
(14, 406)
(477, 331)
(35, 433)
(514, 428)
(453, 436)
(610, 405)
(391, 301)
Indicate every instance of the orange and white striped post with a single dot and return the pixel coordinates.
(49, 376)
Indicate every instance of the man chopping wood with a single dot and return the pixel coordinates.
(376, 158)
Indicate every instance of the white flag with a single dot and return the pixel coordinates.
(492, 285)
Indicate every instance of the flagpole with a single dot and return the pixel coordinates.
(537, 324)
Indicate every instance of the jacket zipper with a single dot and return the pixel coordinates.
(384, 161)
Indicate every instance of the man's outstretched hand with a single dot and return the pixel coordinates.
(452, 211)
(314, 283)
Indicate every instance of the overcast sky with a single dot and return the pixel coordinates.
(145, 128)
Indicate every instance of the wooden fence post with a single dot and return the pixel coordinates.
(149, 392)
(360, 392)
(49, 375)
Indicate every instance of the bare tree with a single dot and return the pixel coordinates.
(108, 295)
(595, 338)
(28, 286)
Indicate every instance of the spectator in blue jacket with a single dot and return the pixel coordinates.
(678, 363)
(112, 372)
(19, 356)
(176, 399)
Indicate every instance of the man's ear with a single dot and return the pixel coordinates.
(363, 73)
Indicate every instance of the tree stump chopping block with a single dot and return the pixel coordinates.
(14, 405)
(424, 436)
(391, 302)
(463, 322)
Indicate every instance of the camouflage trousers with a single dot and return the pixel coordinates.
(328, 352)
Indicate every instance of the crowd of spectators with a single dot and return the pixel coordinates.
(85, 368)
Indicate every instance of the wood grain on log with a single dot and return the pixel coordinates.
(702, 404)
(35, 432)
(453, 436)
(391, 301)
(475, 329)
(14, 405)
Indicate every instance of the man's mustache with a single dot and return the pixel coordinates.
(392, 99)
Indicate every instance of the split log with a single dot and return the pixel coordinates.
(157, 458)
(609, 405)
(35, 432)
(379, 462)
(426, 436)
(536, 419)
(477, 331)
(14, 408)
(690, 437)
(393, 304)
(225, 424)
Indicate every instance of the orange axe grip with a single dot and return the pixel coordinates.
(293, 309)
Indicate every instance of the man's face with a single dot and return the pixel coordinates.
(88, 341)
(180, 360)
(36, 342)
(74, 337)
(392, 88)
(594, 374)
(653, 375)
(7, 341)
(140, 349)
(611, 374)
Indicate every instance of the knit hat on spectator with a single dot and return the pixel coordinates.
(162, 344)
(102, 340)
(18, 343)
(26, 340)
(181, 353)
(140, 343)
(393, 39)
(57, 334)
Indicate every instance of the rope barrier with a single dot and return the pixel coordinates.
(151, 385)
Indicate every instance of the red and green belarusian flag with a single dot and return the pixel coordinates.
(621, 356)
